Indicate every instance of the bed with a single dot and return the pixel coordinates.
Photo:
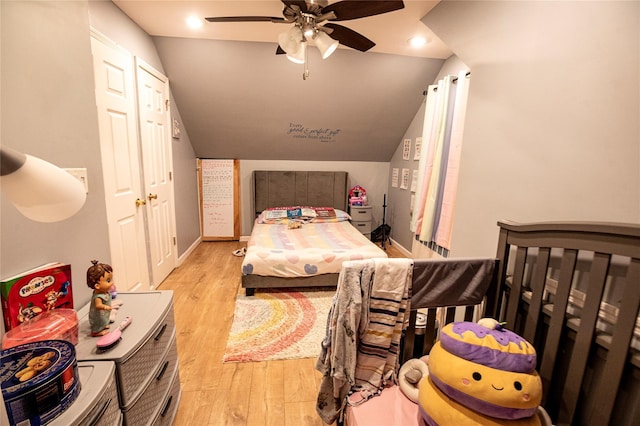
(310, 255)
(572, 289)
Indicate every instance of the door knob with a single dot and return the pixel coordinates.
(153, 196)
(140, 202)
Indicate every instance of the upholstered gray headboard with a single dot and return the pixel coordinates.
(296, 188)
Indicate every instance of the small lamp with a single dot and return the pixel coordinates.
(325, 44)
(38, 189)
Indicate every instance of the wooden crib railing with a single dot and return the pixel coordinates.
(573, 290)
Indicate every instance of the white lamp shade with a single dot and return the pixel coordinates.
(290, 40)
(325, 44)
(299, 56)
(43, 192)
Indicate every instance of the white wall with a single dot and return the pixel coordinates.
(372, 176)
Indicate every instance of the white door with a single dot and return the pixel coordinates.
(116, 105)
(155, 138)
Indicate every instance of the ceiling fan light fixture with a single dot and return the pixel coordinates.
(325, 44)
(298, 57)
(291, 40)
(308, 26)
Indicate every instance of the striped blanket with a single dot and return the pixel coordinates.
(372, 297)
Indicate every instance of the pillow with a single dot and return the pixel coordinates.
(339, 216)
(282, 215)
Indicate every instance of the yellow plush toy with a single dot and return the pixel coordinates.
(480, 373)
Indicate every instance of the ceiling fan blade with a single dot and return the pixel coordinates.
(348, 37)
(300, 3)
(354, 9)
(248, 19)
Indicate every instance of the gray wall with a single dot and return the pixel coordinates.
(551, 130)
(48, 110)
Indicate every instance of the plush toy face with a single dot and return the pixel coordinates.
(487, 369)
(443, 410)
(489, 386)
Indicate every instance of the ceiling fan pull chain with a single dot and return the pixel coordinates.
(305, 74)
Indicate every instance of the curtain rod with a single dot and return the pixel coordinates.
(426, 92)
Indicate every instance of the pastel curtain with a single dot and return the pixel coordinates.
(432, 219)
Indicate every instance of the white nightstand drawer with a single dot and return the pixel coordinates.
(363, 227)
(360, 214)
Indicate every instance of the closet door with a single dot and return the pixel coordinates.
(155, 140)
(116, 107)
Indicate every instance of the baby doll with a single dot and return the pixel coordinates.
(99, 278)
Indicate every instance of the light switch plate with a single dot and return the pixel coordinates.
(81, 175)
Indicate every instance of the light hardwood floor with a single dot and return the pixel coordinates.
(281, 393)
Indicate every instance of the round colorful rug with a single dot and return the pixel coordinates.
(278, 324)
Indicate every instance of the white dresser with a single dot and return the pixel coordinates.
(361, 218)
(146, 359)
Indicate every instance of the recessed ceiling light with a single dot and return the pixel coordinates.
(417, 41)
(194, 22)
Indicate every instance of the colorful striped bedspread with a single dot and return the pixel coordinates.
(314, 249)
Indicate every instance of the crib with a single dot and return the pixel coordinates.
(573, 290)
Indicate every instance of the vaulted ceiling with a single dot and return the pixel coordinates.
(237, 99)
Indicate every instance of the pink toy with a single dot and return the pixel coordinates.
(111, 339)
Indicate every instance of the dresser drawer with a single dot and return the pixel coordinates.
(363, 227)
(146, 407)
(135, 372)
(170, 404)
(360, 214)
(97, 403)
(144, 343)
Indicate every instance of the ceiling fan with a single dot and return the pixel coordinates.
(310, 22)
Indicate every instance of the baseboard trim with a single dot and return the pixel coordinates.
(186, 254)
(400, 248)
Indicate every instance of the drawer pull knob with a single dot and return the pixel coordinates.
(162, 370)
(166, 406)
(161, 332)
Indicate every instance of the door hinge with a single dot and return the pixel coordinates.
(167, 104)
(170, 175)
(174, 241)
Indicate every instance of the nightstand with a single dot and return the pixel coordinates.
(361, 218)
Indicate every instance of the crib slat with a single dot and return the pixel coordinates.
(430, 331)
(618, 351)
(584, 337)
(450, 315)
(468, 313)
(516, 287)
(561, 300)
(409, 337)
(538, 282)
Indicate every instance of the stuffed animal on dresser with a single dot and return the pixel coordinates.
(480, 373)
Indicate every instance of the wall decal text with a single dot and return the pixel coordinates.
(321, 134)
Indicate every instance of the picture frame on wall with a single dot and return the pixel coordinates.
(406, 149)
(175, 129)
(405, 179)
(417, 149)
